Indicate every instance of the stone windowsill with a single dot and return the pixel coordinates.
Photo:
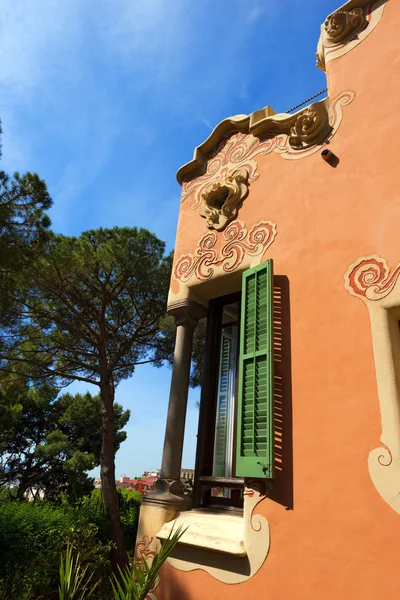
(209, 530)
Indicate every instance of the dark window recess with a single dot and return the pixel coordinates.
(215, 484)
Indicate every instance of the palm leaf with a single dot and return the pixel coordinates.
(135, 582)
(74, 584)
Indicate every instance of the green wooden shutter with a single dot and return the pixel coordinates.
(254, 451)
(222, 408)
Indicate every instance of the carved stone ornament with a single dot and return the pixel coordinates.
(346, 28)
(236, 144)
(221, 199)
(237, 140)
(343, 25)
(310, 128)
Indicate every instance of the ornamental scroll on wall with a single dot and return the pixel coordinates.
(256, 541)
(219, 181)
(345, 28)
(239, 243)
(221, 199)
(371, 280)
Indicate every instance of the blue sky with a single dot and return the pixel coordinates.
(106, 99)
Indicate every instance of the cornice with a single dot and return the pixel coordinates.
(305, 128)
(346, 27)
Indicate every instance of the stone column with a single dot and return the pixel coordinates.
(168, 490)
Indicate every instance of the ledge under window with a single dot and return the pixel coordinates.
(210, 530)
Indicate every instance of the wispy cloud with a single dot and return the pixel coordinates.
(37, 40)
(255, 13)
(207, 123)
(39, 49)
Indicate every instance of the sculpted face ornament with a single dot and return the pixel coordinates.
(221, 199)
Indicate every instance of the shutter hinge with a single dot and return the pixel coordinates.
(264, 467)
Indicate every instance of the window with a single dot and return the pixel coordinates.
(226, 390)
(235, 438)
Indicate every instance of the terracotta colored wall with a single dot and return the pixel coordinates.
(341, 540)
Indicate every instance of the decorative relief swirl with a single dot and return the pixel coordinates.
(385, 459)
(233, 151)
(310, 127)
(255, 491)
(143, 552)
(294, 137)
(239, 243)
(345, 28)
(336, 108)
(344, 25)
(290, 134)
(370, 279)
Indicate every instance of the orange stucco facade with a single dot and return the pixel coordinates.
(332, 534)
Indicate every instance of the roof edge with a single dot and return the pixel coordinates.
(260, 122)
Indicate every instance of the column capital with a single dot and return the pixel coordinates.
(168, 492)
(187, 311)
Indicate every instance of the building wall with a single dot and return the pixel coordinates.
(332, 534)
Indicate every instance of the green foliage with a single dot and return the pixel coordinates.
(136, 581)
(32, 536)
(23, 225)
(188, 488)
(133, 583)
(129, 505)
(23, 200)
(75, 583)
(93, 307)
(92, 314)
(91, 507)
(50, 443)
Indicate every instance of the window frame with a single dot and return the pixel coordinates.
(253, 441)
(204, 481)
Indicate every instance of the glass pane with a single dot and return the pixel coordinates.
(224, 424)
(230, 313)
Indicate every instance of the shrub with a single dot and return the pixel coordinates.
(136, 582)
(32, 535)
(129, 504)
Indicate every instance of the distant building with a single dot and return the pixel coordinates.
(155, 473)
(142, 485)
(34, 493)
(187, 474)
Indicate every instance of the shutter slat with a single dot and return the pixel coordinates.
(255, 404)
